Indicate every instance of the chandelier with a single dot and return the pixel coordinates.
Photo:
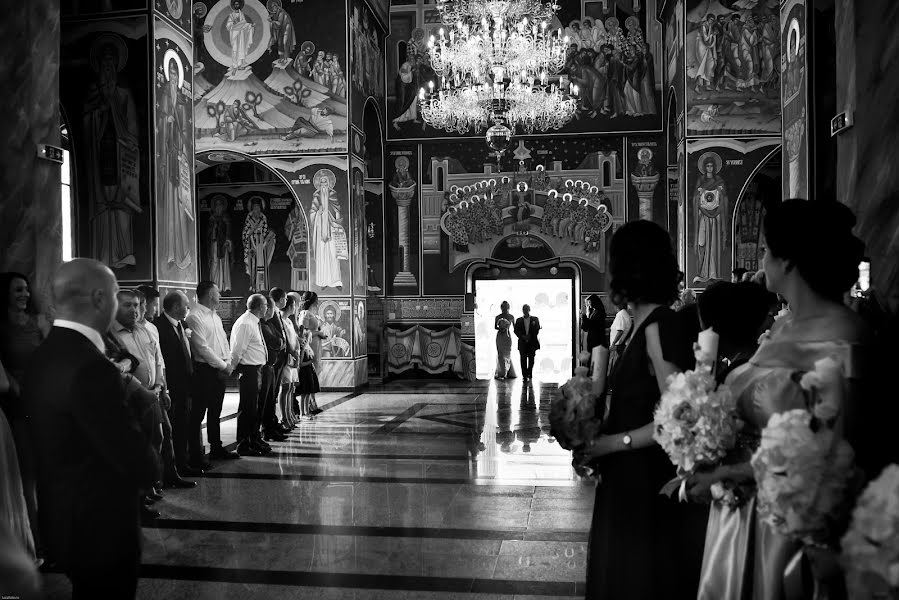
(494, 66)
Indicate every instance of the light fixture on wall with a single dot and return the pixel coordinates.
(494, 66)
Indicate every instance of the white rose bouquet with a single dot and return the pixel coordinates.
(695, 421)
(870, 548)
(803, 472)
(574, 415)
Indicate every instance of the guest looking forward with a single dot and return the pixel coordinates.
(91, 456)
(275, 332)
(527, 329)
(593, 323)
(248, 356)
(212, 366)
(811, 259)
(636, 531)
(174, 339)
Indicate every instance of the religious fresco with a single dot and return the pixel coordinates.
(104, 92)
(646, 180)
(402, 238)
(252, 237)
(321, 184)
(178, 11)
(614, 56)
(357, 218)
(360, 333)
(732, 54)
(553, 199)
(675, 93)
(794, 90)
(366, 60)
(273, 78)
(337, 317)
(717, 176)
(176, 228)
(382, 10)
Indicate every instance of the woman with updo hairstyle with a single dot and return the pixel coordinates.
(312, 329)
(643, 545)
(811, 259)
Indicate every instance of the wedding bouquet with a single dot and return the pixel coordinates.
(871, 546)
(803, 472)
(503, 324)
(573, 415)
(695, 421)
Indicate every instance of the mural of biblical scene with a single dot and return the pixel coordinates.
(77, 8)
(176, 222)
(357, 221)
(103, 91)
(273, 76)
(321, 184)
(374, 236)
(674, 50)
(337, 318)
(717, 174)
(178, 11)
(252, 237)
(614, 56)
(553, 198)
(733, 53)
(795, 100)
(360, 334)
(646, 186)
(366, 59)
(402, 239)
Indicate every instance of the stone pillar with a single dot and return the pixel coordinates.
(30, 212)
(645, 188)
(403, 199)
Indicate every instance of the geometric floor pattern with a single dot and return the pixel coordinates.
(429, 489)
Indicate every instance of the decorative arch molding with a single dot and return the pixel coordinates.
(740, 198)
(533, 269)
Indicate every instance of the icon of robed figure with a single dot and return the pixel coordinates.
(174, 151)
(111, 152)
(258, 245)
(329, 240)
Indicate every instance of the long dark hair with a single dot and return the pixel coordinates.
(642, 264)
(6, 280)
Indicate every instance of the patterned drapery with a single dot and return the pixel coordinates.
(431, 349)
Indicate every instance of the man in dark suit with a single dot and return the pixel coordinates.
(593, 324)
(526, 329)
(276, 339)
(175, 345)
(91, 457)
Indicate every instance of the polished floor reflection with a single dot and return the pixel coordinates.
(414, 489)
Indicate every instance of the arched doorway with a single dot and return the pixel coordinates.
(761, 190)
(252, 230)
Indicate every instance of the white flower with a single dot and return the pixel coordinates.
(826, 383)
(802, 475)
(870, 548)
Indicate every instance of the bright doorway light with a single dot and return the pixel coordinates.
(550, 301)
(66, 199)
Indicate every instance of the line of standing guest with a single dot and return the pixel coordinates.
(249, 355)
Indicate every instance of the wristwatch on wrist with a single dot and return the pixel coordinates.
(628, 440)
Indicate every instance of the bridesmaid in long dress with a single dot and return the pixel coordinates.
(811, 259)
(643, 545)
(503, 325)
(312, 327)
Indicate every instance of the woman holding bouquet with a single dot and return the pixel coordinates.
(811, 260)
(503, 325)
(643, 545)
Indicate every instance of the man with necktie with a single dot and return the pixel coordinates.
(248, 356)
(526, 329)
(276, 338)
(212, 366)
(175, 345)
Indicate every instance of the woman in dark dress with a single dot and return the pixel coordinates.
(643, 545)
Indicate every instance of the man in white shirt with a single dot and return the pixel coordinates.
(150, 371)
(212, 366)
(248, 355)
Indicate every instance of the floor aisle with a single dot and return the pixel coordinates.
(411, 490)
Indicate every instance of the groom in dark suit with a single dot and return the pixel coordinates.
(526, 329)
(91, 456)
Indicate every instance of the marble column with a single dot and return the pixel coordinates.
(403, 199)
(30, 209)
(645, 188)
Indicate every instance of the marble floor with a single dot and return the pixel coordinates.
(426, 489)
